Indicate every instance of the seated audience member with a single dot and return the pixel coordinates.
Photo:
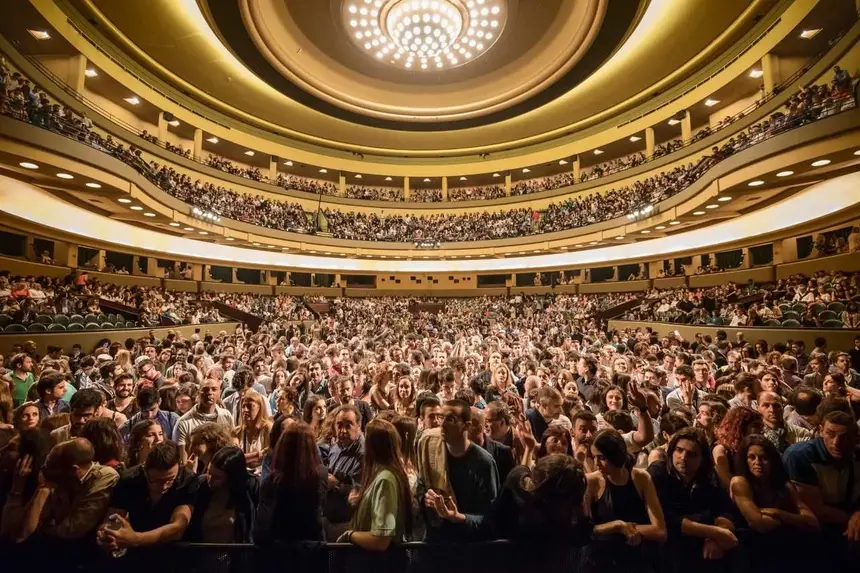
(739, 423)
(469, 484)
(781, 523)
(776, 428)
(826, 472)
(150, 506)
(804, 401)
(698, 512)
(344, 469)
(206, 410)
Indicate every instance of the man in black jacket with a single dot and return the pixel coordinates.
(502, 454)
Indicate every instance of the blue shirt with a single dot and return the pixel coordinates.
(167, 421)
(345, 465)
(810, 463)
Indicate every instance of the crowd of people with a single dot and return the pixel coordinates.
(22, 100)
(24, 299)
(483, 192)
(823, 300)
(443, 421)
(374, 193)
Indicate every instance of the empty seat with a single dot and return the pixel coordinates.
(833, 323)
(56, 326)
(836, 306)
(44, 319)
(129, 324)
(93, 326)
(799, 307)
(5, 320)
(75, 326)
(827, 315)
(37, 327)
(61, 319)
(91, 318)
(791, 323)
(818, 307)
(790, 316)
(772, 323)
(15, 328)
(76, 318)
(107, 326)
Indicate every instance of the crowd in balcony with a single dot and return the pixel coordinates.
(425, 194)
(374, 193)
(483, 192)
(443, 421)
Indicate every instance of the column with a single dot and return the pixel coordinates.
(649, 142)
(747, 258)
(654, 269)
(273, 168)
(770, 71)
(162, 127)
(65, 254)
(100, 259)
(337, 282)
(686, 126)
(406, 193)
(615, 274)
(30, 251)
(341, 185)
(235, 278)
(313, 279)
(197, 273)
(577, 169)
(444, 187)
(135, 265)
(197, 152)
(508, 185)
(77, 73)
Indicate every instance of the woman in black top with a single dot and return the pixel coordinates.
(293, 494)
(624, 507)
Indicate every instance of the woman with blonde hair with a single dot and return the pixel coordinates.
(123, 360)
(252, 435)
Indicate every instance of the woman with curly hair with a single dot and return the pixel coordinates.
(738, 424)
(107, 443)
(555, 440)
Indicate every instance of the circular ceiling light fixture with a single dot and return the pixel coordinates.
(424, 35)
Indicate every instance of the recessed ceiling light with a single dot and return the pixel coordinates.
(712, 206)
(496, 175)
(229, 239)
(710, 102)
(562, 162)
(674, 121)
(323, 170)
(149, 214)
(203, 232)
(426, 180)
(645, 232)
(133, 100)
(28, 165)
(270, 246)
(173, 224)
(756, 73)
(249, 153)
(92, 185)
(619, 237)
(256, 244)
(821, 163)
(698, 213)
(187, 228)
(724, 199)
(634, 138)
(358, 175)
(593, 243)
(124, 200)
(136, 208)
(212, 139)
(388, 178)
(578, 245)
(288, 163)
(809, 34)
(65, 176)
(91, 73)
(527, 170)
(785, 173)
(462, 178)
(857, 152)
(40, 34)
(173, 123)
(660, 227)
(674, 223)
(756, 183)
(598, 151)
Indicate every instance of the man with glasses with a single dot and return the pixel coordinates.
(149, 373)
(84, 405)
(148, 402)
(150, 505)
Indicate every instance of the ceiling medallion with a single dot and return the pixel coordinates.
(424, 35)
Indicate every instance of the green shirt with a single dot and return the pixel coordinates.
(379, 511)
(21, 387)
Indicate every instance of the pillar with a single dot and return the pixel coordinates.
(686, 126)
(747, 258)
(162, 127)
(615, 274)
(135, 266)
(197, 152)
(444, 187)
(313, 279)
(77, 73)
(649, 142)
(508, 182)
(577, 169)
(30, 251)
(100, 259)
(770, 72)
(406, 193)
(337, 282)
(65, 254)
(235, 278)
(197, 272)
(273, 168)
(341, 185)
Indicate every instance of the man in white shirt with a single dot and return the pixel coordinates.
(206, 410)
